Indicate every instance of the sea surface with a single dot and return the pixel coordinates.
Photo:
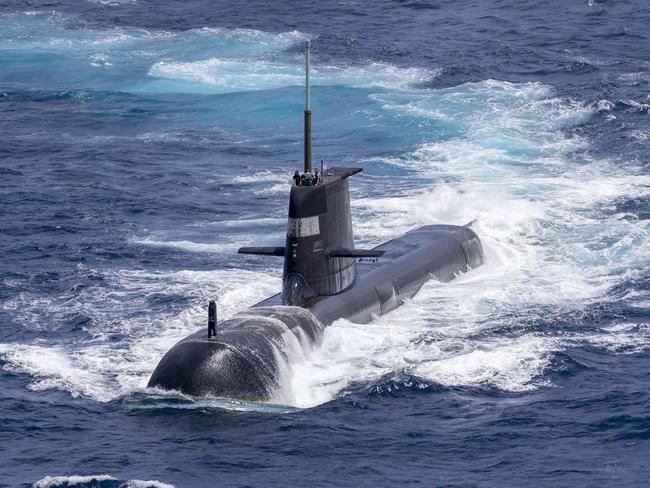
(143, 141)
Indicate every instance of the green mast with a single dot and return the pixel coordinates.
(307, 109)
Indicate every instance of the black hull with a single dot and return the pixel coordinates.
(244, 360)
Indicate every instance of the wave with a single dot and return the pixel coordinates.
(542, 213)
(216, 75)
(101, 480)
(505, 154)
(189, 246)
(246, 224)
(160, 400)
(126, 334)
(52, 481)
(204, 60)
(515, 166)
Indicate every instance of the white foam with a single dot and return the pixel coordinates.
(124, 48)
(105, 368)
(231, 75)
(277, 189)
(112, 3)
(53, 481)
(244, 223)
(272, 183)
(511, 365)
(53, 368)
(621, 338)
(550, 249)
(264, 177)
(200, 247)
(605, 105)
(147, 484)
(640, 135)
(204, 60)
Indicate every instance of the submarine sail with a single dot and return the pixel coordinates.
(325, 278)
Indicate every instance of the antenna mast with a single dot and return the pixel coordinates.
(307, 109)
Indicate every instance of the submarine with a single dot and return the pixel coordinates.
(324, 278)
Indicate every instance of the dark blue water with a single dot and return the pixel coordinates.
(144, 141)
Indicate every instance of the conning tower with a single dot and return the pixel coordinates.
(319, 246)
(319, 254)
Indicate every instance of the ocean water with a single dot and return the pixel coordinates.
(143, 142)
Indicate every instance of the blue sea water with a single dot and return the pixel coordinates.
(143, 142)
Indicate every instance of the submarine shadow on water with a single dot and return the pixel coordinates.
(158, 401)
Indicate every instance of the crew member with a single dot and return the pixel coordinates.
(316, 178)
(307, 179)
(296, 178)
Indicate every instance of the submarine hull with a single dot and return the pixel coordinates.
(245, 359)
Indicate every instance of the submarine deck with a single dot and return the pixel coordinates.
(426, 238)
